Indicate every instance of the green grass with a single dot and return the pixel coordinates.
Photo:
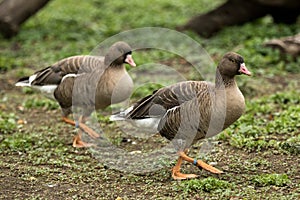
(8, 122)
(61, 29)
(259, 153)
(271, 122)
(44, 103)
(271, 179)
(206, 185)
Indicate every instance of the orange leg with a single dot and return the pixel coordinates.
(82, 126)
(177, 175)
(199, 163)
(77, 141)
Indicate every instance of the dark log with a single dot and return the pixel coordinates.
(231, 13)
(14, 12)
(279, 3)
(236, 12)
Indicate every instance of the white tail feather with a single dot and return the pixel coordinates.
(22, 84)
(116, 118)
(149, 124)
(32, 78)
(121, 116)
(26, 83)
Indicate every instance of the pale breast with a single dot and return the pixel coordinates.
(235, 105)
(122, 89)
(114, 86)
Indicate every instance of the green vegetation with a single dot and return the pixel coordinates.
(8, 122)
(19, 142)
(271, 122)
(44, 103)
(259, 153)
(271, 179)
(207, 185)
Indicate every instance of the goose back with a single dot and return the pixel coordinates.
(161, 100)
(53, 74)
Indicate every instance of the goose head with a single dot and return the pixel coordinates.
(232, 64)
(118, 54)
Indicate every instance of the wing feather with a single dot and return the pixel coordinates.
(165, 98)
(72, 65)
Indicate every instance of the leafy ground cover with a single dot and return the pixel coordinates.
(259, 154)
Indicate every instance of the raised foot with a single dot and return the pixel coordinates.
(89, 131)
(83, 127)
(208, 167)
(199, 163)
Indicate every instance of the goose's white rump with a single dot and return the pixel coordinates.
(149, 124)
(47, 90)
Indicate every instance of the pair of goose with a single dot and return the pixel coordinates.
(184, 112)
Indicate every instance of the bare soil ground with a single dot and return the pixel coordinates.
(39, 162)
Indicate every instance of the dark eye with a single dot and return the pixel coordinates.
(231, 60)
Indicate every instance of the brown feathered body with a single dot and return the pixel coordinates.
(192, 110)
(88, 82)
(95, 90)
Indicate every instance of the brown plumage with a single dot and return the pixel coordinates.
(86, 82)
(71, 65)
(192, 110)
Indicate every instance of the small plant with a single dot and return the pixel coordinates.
(44, 103)
(207, 185)
(292, 145)
(271, 179)
(18, 142)
(27, 90)
(267, 124)
(7, 122)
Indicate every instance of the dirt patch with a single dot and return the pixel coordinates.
(45, 165)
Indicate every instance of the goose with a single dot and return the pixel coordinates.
(189, 111)
(87, 82)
